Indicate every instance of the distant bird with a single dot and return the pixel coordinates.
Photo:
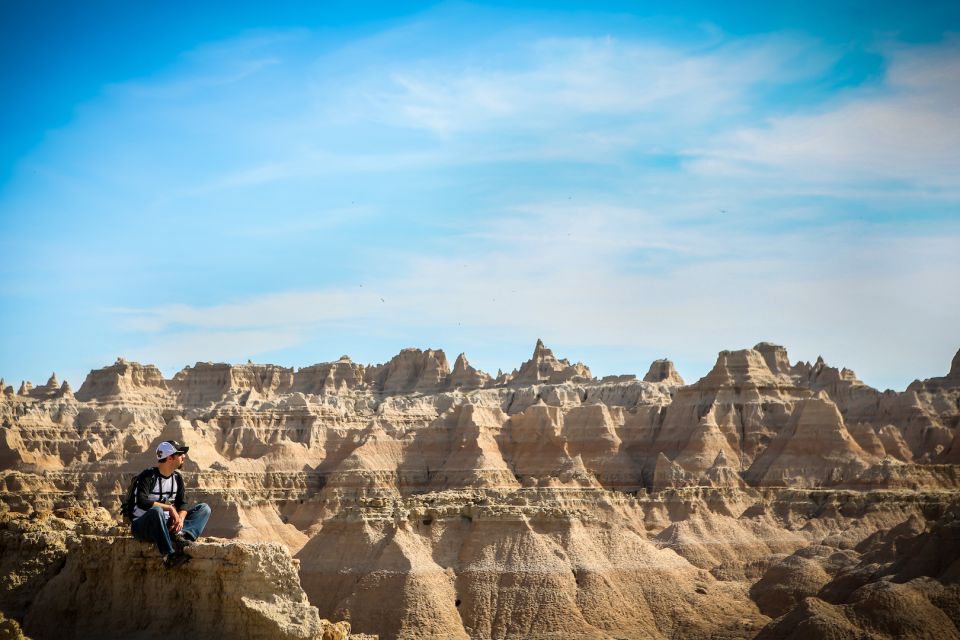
(723, 210)
(382, 300)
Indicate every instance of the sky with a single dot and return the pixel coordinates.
(291, 182)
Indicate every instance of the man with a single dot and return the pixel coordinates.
(160, 515)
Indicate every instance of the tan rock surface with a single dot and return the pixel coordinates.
(815, 449)
(905, 584)
(228, 590)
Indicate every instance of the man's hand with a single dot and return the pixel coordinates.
(175, 522)
(181, 518)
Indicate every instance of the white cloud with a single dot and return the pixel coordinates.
(559, 80)
(284, 309)
(906, 130)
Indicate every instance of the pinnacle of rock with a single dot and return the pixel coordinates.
(775, 356)
(544, 367)
(663, 371)
(465, 376)
(746, 367)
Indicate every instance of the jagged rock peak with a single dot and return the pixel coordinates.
(411, 370)
(822, 375)
(663, 371)
(955, 366)
(544, 367)
(746, 367)
(25, 387)
(775, 356)
(540, 350)
(49, 391)
(465, 376)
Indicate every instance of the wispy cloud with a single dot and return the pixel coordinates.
(907, 130)
(639, 89)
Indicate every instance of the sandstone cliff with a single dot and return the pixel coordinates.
(70, 575)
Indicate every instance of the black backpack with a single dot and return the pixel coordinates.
(129, 499)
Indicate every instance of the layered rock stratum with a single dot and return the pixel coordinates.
(412, 499)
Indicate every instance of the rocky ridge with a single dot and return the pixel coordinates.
(425, 501)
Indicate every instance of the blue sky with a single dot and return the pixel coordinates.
(627, 181)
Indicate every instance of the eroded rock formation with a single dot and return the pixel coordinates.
(422, 500)
(69, 575)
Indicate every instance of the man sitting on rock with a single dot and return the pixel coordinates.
(159, 515)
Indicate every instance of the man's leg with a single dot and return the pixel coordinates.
(152, 527)
(195, 521)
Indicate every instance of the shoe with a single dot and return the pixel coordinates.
(176, 559)
(180, 542)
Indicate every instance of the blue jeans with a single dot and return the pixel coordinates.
(152, 527)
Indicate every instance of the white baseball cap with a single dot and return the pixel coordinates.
(170, 447)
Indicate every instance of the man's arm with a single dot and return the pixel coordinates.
(176, 524)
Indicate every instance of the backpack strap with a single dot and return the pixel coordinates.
(151, 473)
(178, 485)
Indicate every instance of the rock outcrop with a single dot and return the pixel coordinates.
(70, 575)
(814, 448)
(129, 382)
(663, 371)
(227, 590)
(544, 367)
